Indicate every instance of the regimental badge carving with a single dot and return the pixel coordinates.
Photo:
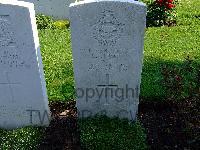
(6, 33)
(108, 29)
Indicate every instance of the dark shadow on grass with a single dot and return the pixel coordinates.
(152, 85)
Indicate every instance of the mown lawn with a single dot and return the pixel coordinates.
(163, 45)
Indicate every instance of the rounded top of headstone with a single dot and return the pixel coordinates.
(17, 3)
(93, 1)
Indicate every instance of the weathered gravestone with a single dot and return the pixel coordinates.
(23, 98)
(59, 9)
(107, 43)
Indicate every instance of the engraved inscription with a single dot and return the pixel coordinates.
(10, 55)
(108, 29)
(106, 59)
(10, 58)
(6, 33)
(3, 110)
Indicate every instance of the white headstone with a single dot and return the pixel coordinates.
(23, 97)
(107, 43)
(59, 9)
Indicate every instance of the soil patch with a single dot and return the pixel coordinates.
(169, 125)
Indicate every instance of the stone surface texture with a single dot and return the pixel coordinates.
(23, 96)
(107, 43)
(59, 9)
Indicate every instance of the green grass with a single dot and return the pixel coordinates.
(21, 139)
(57, 60)
(162, 45)
(103, 133)
(169, 45)
(188, 12)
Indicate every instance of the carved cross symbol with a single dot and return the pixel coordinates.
(107, 85)
(10, 84)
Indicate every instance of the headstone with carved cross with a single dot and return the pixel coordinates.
(23, 98)
(107, 43)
